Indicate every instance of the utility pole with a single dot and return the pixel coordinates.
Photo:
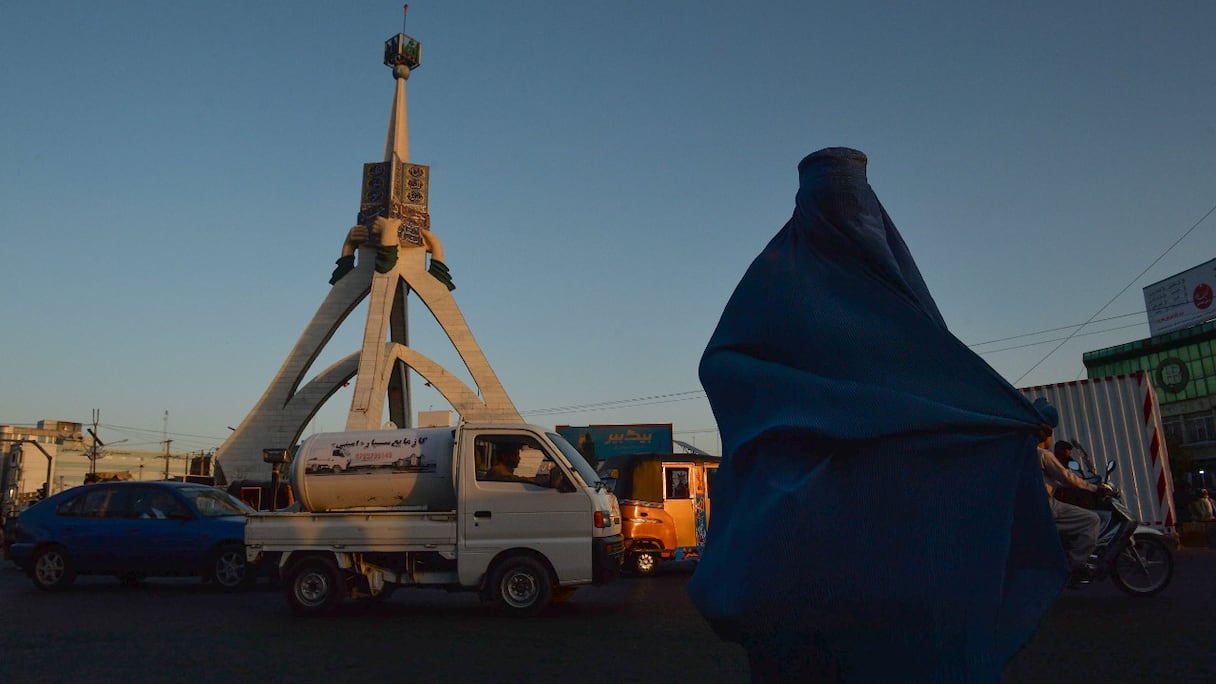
(96, 442)
(167, 441)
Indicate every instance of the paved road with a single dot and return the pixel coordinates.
(1099, 634)
(642, 630)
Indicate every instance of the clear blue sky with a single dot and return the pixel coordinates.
(176, 180)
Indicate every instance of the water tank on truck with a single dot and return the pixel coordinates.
(382, 469)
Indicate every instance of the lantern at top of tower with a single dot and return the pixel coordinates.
(402, 51)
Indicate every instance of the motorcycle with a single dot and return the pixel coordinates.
(1136, 557)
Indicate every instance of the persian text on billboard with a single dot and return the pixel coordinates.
(597, 442)
(1182, 300)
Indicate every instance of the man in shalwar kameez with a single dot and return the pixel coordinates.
(879, 513)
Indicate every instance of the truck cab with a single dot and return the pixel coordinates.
(543, 505)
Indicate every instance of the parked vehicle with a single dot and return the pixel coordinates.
(1137, 558)
(1118, 418)
(442, 519)
(664, 501)
(133, 530)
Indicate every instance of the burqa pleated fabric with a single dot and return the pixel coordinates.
(880, 513)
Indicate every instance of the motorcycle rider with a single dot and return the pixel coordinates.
(1070, 495)
(1063, 451)
(1078, 526)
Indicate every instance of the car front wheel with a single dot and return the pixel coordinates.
(51, 569)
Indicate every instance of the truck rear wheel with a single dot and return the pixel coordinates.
(314, 586)
(521, 586)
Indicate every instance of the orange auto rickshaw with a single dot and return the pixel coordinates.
(664, 501)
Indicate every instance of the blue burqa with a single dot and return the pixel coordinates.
(880, 512)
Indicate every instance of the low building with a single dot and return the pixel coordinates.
(71, 461)
(1182, 365)
(40, 445)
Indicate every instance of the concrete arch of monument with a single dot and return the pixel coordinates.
(313, 395)
(439, 301)
(278, 422)
(346, 295)
(459, 395)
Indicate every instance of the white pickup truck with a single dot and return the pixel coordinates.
(454, 511)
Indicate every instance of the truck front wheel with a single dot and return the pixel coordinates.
(521, 586)
(314, 586)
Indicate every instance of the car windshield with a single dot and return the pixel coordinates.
(576, 459)
(213, 503)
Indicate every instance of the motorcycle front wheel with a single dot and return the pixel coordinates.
(1145, 567)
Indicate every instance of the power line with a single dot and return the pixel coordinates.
(619, 403)
(161, 432)
(640, 403)
(1119, 294)
(1051, 330)
(1056, 339)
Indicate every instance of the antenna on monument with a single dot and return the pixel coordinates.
(405, 11)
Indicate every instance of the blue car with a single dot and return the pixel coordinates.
(133, 530)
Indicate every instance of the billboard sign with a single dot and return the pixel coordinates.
(1182, 300)
(598, 442)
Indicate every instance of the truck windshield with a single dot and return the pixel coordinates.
(576, 459)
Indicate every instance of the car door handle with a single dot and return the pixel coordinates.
(481, 514)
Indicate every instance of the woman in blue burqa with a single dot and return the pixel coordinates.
(880, 512)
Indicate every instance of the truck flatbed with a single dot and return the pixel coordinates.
(369, 531)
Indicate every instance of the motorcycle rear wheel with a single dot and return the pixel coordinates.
(1145, 567)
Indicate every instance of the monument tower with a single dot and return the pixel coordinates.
(389, 253)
